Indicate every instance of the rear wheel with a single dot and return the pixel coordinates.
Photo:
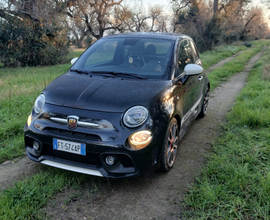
(169, 149)
(204, 105)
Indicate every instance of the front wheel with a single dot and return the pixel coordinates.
(169, 149)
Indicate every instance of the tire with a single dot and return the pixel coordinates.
(204, 105)
(169, 149)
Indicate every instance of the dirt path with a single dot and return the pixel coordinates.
(17, 169)
(156, 196)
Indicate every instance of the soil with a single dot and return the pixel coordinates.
(155, 196)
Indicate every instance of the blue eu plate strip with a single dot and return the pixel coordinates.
(55, 144)
(83, 149)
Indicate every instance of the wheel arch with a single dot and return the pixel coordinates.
(178, 119)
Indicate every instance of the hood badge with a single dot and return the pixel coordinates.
(72, 121)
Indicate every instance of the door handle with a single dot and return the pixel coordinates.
(200, 78)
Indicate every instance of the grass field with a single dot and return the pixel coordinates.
(218, 75)
(210, 58)
(235, 183)
(18, 89)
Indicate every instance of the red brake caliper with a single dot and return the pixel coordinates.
(171, 145)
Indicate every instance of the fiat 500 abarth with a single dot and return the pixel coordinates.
(122, 107)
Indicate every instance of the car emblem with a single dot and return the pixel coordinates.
(72, 121)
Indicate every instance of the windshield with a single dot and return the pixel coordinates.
(144, 57)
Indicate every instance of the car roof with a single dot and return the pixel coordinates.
(155, 35)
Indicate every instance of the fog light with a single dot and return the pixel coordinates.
(140, 140)
(36, 145)
(110, 160)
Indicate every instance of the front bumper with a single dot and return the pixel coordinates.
(99, 144)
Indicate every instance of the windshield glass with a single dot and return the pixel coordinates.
(144, 57)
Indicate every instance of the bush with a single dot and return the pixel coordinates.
(24, 43)
(88, 41)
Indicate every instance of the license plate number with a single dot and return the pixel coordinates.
(69, 146)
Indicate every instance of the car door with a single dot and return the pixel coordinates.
(190, 86)
(200, 77)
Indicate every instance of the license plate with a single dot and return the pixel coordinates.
(69, 146)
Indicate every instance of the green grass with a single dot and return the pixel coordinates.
(210, 58)
(19, 88)
(218, 75)
(25, 198)
(235, 182)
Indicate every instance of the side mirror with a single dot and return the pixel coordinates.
(74, 60)
(193, 69)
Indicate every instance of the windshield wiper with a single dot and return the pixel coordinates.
(80, 71)
(119, 74)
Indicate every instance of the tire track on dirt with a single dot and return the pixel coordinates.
(158, 195)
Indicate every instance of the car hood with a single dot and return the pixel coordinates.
(98, 93)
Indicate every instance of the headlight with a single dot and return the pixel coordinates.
(135, 116)
(39, 103)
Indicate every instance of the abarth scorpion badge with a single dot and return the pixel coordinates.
(72, 121)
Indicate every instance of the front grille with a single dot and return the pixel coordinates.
(90, 158)
(73, 134)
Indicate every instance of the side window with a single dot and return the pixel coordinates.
(195, 52)
(185, 55)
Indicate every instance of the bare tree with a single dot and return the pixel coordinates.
(140, 21)
(217, 20)
(133, 17)
(97, 15)
(155, 13)
(254, 24)
(78, 29)
(125, 16)
(178, 5)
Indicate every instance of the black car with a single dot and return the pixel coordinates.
(122, 107)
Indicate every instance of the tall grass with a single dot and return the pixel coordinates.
(235, 183)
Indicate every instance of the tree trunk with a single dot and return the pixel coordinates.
(215, 9)
(80, 43)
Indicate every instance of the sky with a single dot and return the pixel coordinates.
(166, 3)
